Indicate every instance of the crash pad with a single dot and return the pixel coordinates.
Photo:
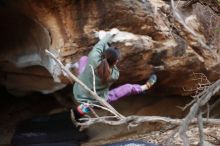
(56, 129)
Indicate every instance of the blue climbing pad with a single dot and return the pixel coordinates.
(74, 143)
(131, 143)
(54, 130)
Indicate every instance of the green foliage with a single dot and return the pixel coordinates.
(219, 2)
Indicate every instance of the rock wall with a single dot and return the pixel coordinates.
(151, 39)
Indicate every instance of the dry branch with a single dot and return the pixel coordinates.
(203, 91)
(110, 120)
(203, 99)
(194, 116)
(203, 47)
(191, 31)
(217, 102)
(200, 125)
(74, 78)
(93, 75)
(200, 83)
(189, 3)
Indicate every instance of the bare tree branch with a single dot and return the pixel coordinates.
(73, 77)
(93, 111)
(203, 94)
(93, 75)
(208, 111)
(203, 47)
(99, 106)
(203, 98)
(200, 125)
(187, 105)
(189, 3)
(212, 107)
(110, 120)
(181, 21)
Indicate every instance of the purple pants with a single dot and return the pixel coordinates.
(116, 93)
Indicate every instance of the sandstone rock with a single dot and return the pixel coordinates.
(149, 37)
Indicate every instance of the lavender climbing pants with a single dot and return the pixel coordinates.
(116, 93)
(82, 64)
(122, 91)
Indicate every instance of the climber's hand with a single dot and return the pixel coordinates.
(102, 34)
(114, 31)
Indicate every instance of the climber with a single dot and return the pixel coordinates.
(103, 59)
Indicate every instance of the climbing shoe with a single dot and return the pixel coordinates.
(75, 116)
(151, 81)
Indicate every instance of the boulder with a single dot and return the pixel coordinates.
(151, 39)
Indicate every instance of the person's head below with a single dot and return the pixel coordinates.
(110, 58)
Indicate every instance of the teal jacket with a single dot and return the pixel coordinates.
(94, 59)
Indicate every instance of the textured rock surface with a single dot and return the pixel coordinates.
(149, 37)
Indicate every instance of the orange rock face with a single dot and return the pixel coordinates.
(154, 41)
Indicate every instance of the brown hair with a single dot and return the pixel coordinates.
(109, 58)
